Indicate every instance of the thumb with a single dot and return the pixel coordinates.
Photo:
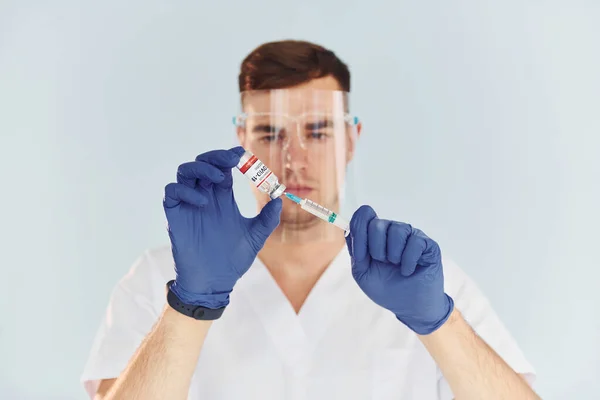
(358, 240)
(267, 220)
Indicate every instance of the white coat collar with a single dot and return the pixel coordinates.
(296, 335)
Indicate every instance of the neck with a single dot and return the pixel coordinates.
(284, 257)
(309, 246)
(296, 267)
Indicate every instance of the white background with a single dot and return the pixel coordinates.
(481, 127)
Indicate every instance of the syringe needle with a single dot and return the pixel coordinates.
(293, 198)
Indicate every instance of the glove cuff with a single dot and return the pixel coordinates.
(212, 301)
(421, 328)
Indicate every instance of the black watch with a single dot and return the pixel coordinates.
(196, 312)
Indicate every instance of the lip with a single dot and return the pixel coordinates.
(300, 191)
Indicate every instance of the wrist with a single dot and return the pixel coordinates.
(451, 322)
(206, 299)
(199, 311)
(173, 317)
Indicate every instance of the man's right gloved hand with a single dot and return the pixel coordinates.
(213, 244)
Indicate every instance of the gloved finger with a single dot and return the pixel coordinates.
(377, 237)
(349, 245)
(415, 246)
(198, 171)
(224, 160)
(238, 151)
(397, 236)
(228, 180)
(432, 254)
(177, 193)
(266, 221)
(359, 225)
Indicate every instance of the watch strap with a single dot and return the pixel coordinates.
(193, 311)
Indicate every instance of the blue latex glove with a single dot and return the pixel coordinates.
(400, 269)
(213, 244)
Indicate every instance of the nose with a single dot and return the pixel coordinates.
(295, 155)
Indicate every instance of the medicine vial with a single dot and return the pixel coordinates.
(262, 177)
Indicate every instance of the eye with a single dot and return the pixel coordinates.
(318, 135)
(268, 139)
(276, 135)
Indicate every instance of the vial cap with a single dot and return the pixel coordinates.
(278, 191)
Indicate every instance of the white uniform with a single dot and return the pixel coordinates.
(340, 346)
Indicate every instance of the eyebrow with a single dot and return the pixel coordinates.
(326, 123)
(265, 128)
(312, 126)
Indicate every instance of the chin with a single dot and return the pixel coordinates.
(295, 214)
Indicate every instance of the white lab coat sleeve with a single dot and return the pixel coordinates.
(477, 311)
(134, 307)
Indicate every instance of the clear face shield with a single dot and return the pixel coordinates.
(306, 139)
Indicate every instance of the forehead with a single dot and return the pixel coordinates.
(294, 101)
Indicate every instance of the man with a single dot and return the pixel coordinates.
(314, 314)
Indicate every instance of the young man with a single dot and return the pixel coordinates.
(314, 314)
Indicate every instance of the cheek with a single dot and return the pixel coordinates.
(276, 166)
(327, 172)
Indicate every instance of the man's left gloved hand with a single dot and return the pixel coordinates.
(400, 269)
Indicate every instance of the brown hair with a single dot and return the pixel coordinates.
(287, 63)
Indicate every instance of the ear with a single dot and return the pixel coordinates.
(352, 141)
(241, 135)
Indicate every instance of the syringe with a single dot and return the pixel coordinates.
(321, 212)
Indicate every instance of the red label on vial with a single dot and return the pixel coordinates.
(248, 164)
